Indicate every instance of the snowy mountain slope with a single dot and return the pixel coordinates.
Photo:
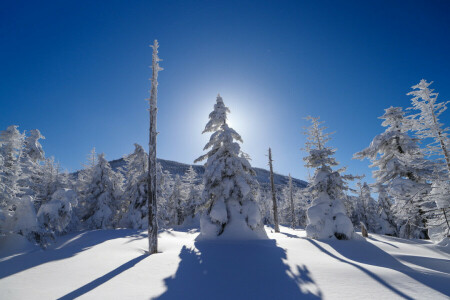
(111, 264)
(176, 168)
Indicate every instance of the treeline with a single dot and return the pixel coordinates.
(411, 174)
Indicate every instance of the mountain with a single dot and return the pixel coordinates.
(176, 168)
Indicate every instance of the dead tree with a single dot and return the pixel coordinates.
(291, 201)
(151, 178)
(274, 199)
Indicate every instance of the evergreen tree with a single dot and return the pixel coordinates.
(103, 196)
(327, 215)
(428, 127)
(192, 196)
(135, 191)
(232, 210)
(175, 209)
(368, 212)
(402, 168)
(387, 219)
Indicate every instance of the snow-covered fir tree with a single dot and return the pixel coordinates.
(57, 216)
(232, 210)
(327, 215)
(18, 214)
(367, 209)
(387, 219)
(135, 190)
(32, 157)
(103, 196)
(11, 151)
(191, 191)
(402, 168)
(174, 205)
(428, 128)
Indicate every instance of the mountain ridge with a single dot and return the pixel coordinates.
(177, 168)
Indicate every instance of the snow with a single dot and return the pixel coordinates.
(112, 264)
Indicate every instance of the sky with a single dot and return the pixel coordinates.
(79, 72)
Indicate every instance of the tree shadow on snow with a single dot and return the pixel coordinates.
(380, 241)
(238, 270)
(66, 246)
(362, 252)
(101, 280)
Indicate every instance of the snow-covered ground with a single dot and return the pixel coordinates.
(112, 264)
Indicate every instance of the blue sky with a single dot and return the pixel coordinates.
(78, 71)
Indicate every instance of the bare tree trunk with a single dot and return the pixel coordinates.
(151, 178)
(274, 199)
(364, 230)
(291, 199)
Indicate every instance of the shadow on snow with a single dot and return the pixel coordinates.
(369, 254)
(66, 247)
(238, 270)
(101, 280)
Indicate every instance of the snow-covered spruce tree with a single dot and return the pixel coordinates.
(11, 150)
(174, 205)
(232, 211)
(32, 157)
(151, 178)
(387, 219)
(367, 209)
(84, 177)
(57, 216)
(164, 185)
(18, 213)
(327, 215)
(428, 127)
(135, 191)
(402, 168)
(264, 199)
(192, 196)
(50, 181)
(102, 196)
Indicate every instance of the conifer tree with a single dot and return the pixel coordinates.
(103, 196)
(228, 179)
(135, 191)
(402, 168)
(327, 215)
(191, 193)
(428, 127)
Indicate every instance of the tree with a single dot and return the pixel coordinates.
(152, 189)
(274, 198)
(175, 202)
(135, 191)
(387, 219)
(231, 208)
(191, 193)
(11, 151)
(32, 157)
(427, 126)
(402, 168)
(291, 204)
(103, 196)
(367, 211)
(327, 215)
